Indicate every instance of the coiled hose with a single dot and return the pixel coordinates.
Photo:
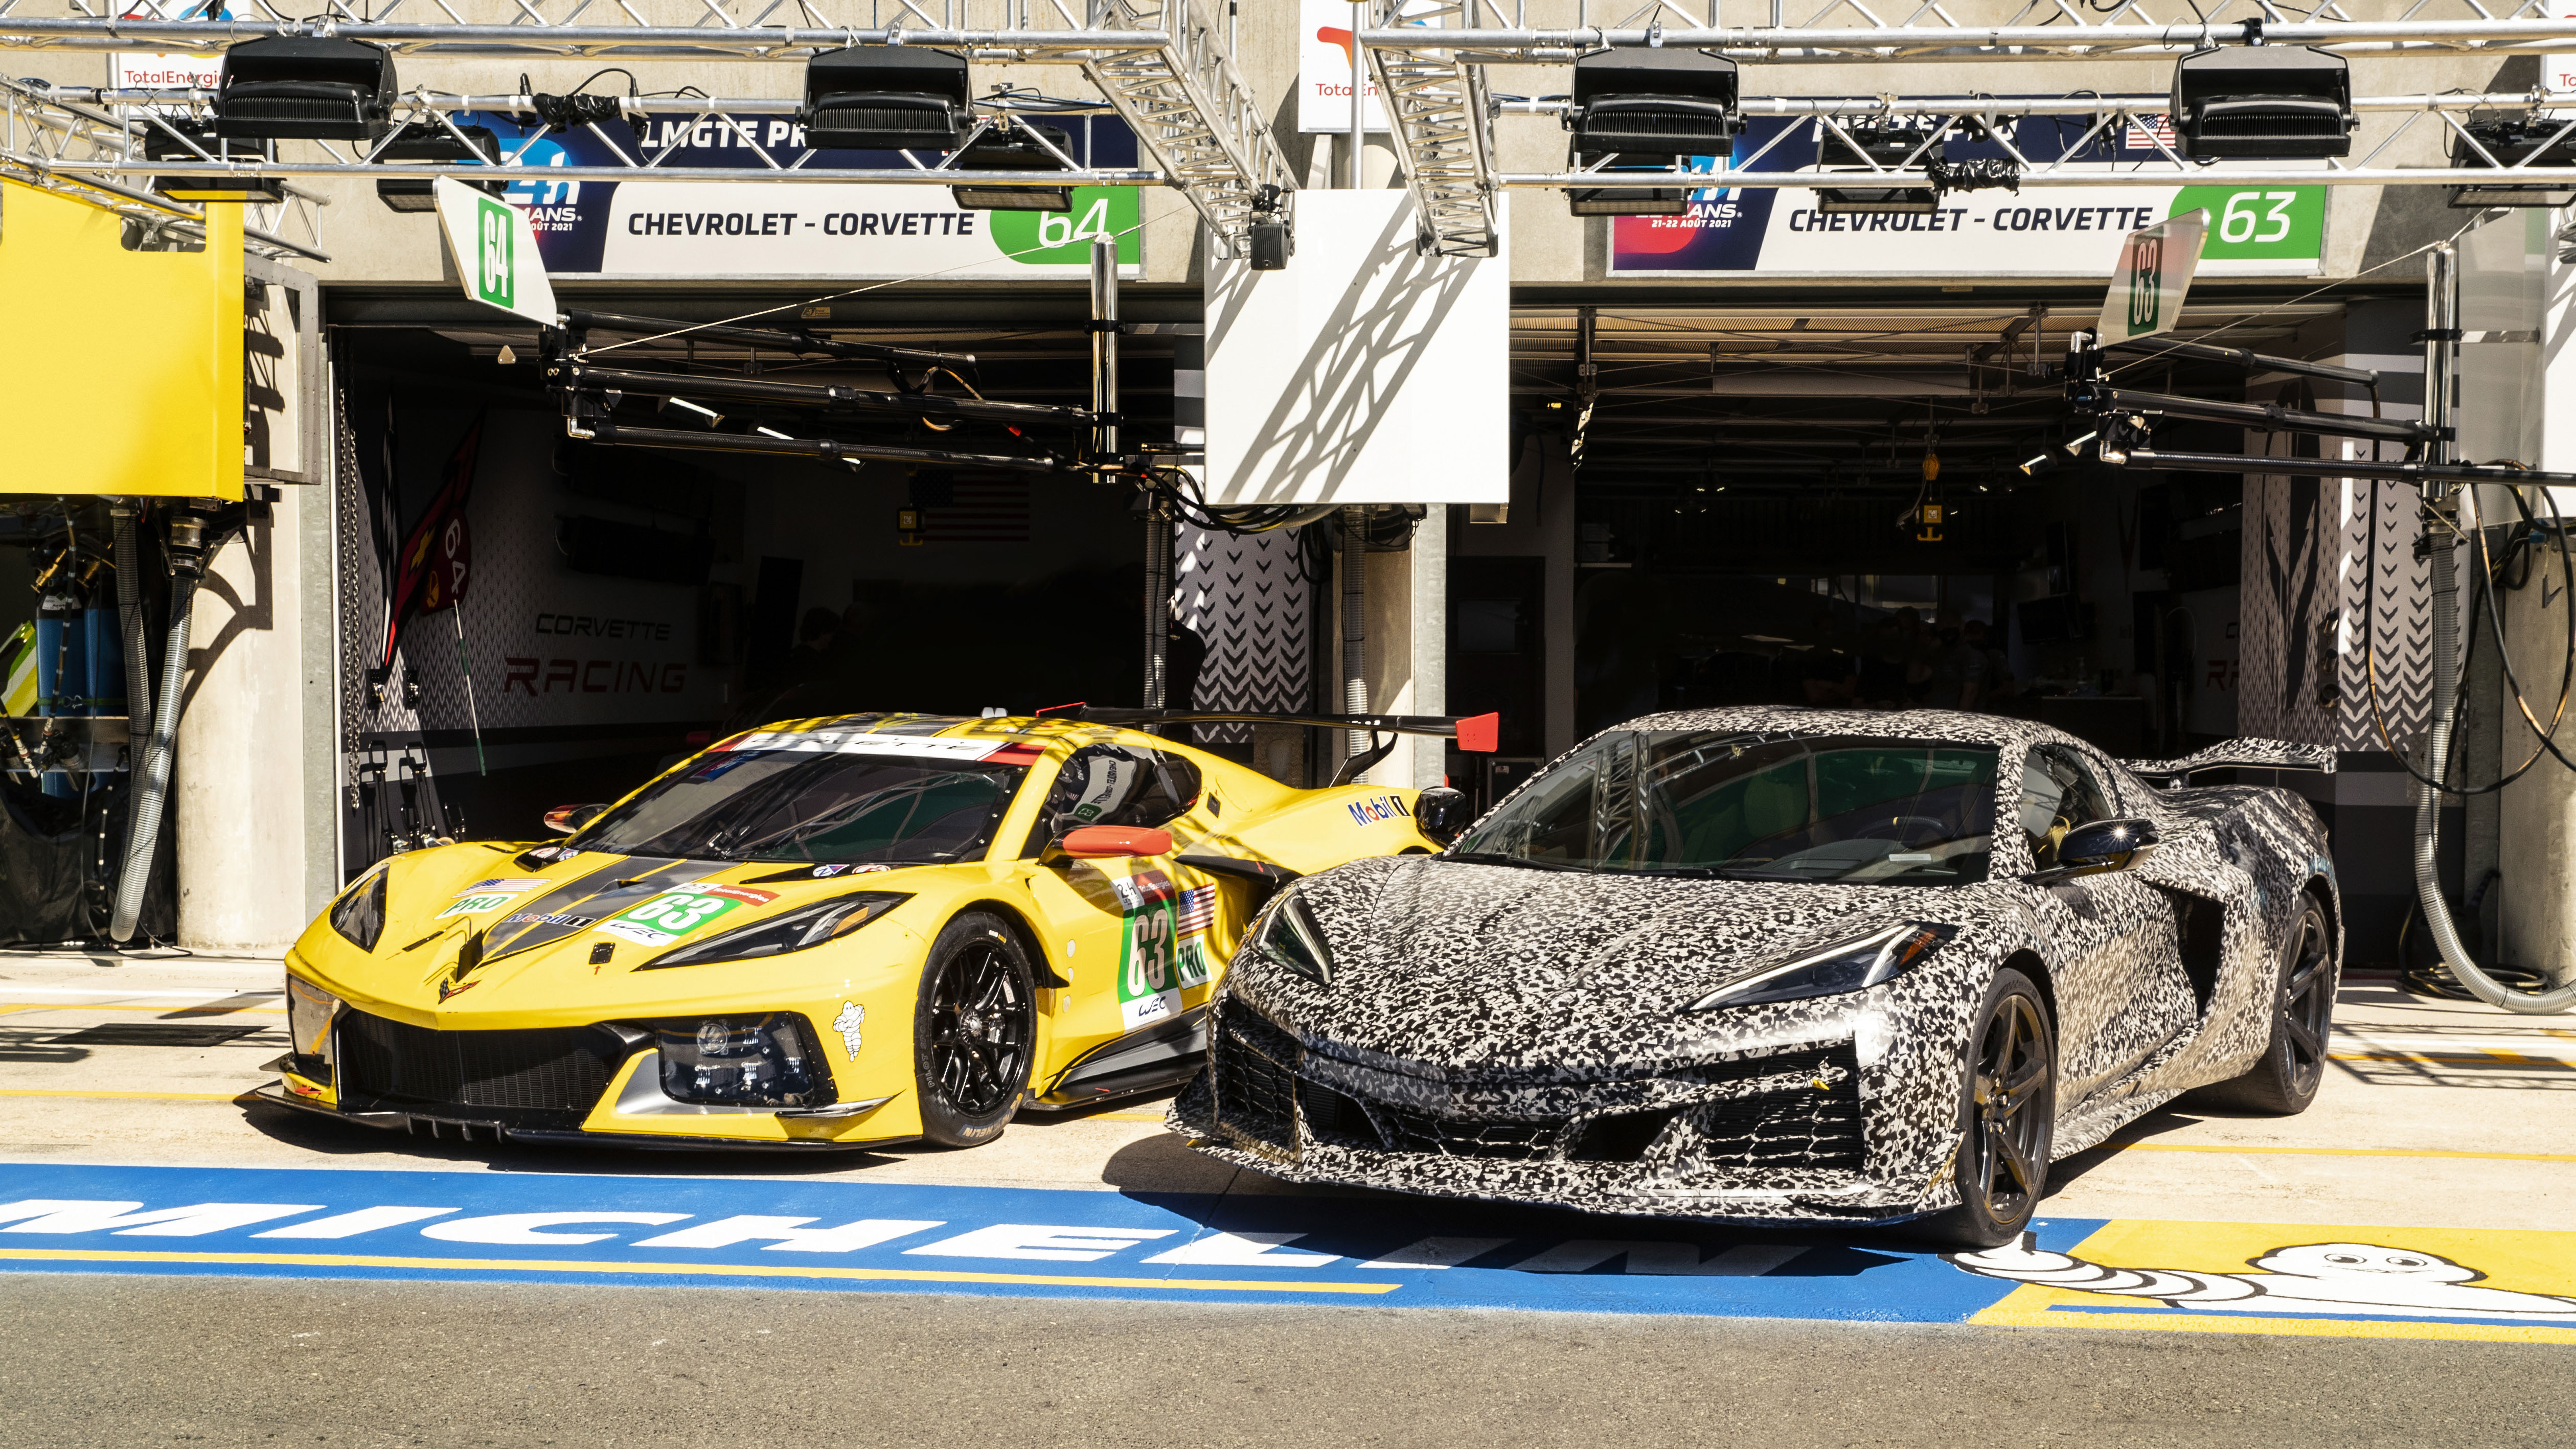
(2428, 807)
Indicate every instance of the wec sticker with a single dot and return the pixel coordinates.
(1165, 950)
(682, 909)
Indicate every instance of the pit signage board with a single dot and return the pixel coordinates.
(2154, 275)
(494, 252)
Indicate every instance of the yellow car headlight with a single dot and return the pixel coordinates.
(309, 1013)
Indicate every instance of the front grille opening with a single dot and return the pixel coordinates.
(1332, 1117)
(1256, 1086)
(1795, 1124)
(559, 1069)
(1621, 1136)
(1410, 1131)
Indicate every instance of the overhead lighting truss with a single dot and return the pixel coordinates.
(1161, 67)
(83, 151)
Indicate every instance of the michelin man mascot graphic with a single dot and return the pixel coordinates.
(2330, 1278)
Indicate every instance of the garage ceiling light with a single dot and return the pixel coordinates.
(885, 98)
(1611, 201)
(2262, 103)
(1654, 102)
(303, 88)
(160, 145)
(429, 143)
(1018, 150)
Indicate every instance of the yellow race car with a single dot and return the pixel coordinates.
(827, 933)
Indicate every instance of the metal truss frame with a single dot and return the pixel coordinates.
(1441, 116)
(1161, 65)
(64, 146)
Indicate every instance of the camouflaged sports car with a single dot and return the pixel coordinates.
(825, 933)
(1772, 964)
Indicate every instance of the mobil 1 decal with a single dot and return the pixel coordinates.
(1995, 227)
(662, 224)
(681, 910)
(1165, 949)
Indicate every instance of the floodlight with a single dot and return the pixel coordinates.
(1016, 151)
(1654, 102)
(294, 87)
(1890, 145)
(885, 98)
(160, 145)
(429, 143)
(1272, 243)
(1614, 201)
(2514, 141)
(2262, 103)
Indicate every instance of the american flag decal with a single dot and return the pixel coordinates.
(2147, 132)
(1197, 910)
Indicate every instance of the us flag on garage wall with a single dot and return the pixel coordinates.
(972, 507)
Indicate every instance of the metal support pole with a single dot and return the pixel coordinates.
(1104, 341)
(1354, 540)
(1359, 123)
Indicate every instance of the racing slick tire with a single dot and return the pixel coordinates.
(2007, 1112)
(974, 1031)
(2293, 1065)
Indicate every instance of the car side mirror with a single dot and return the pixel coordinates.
(1441, 814)
(2104, 845)
(565, 819)
(1114, 842)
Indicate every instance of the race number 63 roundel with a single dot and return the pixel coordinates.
(680, 910)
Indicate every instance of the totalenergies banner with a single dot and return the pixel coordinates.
(670, 227)
(2056, 231)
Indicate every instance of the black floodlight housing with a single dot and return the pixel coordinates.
(2262, 103)
(304, 88)
(160, 145)
(1890, 145)
(1612, 201)
(1271, 242)
(1654, 102)
(2514, 141)
(429, 143)
(1017, 150)
(885, 98)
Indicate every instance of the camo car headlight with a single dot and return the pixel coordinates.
(1287, 936)
(797, 930)
(742, 1061)
(1853, 964)
(310, 1011)
(359, 914)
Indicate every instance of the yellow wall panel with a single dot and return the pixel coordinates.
(120, 372)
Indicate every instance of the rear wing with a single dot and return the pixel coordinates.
(2241, 754)
(1476, 733)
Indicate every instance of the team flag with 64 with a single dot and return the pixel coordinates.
(494, 252)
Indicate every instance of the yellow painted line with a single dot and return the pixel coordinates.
(135, 1096)
(2497, 1058)
(14, 1006)
(2342, 1151)
(689, 1270)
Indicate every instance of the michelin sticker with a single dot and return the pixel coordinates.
(682, 909)
(852, 1017)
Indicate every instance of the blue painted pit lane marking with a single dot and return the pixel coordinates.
(846, 1236)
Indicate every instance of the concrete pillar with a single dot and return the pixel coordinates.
(2536, 816)
(250, 873)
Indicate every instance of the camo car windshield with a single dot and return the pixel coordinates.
(1754, 807)
(830, 808)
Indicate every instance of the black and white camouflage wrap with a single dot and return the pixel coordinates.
(1478, 1004)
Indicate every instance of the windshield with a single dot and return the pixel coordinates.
(828, 808)
(1757, 807)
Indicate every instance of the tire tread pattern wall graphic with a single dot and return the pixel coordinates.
(1247, 597)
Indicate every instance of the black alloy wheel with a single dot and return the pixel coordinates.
(2008, 1117)
(975, 1032)
(2293, 1065)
